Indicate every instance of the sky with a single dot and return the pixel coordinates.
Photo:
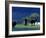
(21, 12)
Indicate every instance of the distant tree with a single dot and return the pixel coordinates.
(33, 18)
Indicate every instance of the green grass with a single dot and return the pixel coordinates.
(27, 26)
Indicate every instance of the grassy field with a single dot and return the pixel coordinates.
(22, 27)
(27, 26)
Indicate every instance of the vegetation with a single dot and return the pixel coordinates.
(32, 18)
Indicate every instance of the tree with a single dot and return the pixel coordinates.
(33, 18)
